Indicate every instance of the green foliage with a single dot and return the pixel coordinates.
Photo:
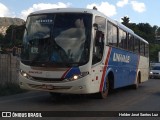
(14, 35)
(158, 30)
(125, 20)
(154, 49)
(1, 38)
(146, 31)
(9, 89)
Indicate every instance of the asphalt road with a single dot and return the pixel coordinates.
(145, 98)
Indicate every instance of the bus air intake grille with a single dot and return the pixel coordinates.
(49, 87)
(49, 80)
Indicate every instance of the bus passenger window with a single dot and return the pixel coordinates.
(130, 42)
(112, 34)
(136, 45)
(142, 48)
(122, 39)
(146, 50)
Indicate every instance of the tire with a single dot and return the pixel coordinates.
(135, 86)
(103, 94)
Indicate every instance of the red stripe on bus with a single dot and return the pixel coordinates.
(104, 69)
(64, 75)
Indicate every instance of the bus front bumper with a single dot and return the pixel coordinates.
(80, 86)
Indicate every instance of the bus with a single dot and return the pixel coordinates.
(80, 51)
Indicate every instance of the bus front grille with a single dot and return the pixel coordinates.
(49, 87)
(48, 80)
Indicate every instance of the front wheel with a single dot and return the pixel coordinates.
(104, 93)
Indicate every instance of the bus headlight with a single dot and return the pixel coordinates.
(24, 74)
(78, 76)
(151, 72)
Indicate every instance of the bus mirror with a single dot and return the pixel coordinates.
(95, 25)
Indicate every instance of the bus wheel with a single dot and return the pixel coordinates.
(103, 94)
(135, 86)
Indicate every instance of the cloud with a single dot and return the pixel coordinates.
(122, 3)
(4, 11)
(104, 7)
(42, 6)
(137, 6)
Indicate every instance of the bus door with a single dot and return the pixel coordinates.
(98, 46)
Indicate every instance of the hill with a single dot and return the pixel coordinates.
(5, 22)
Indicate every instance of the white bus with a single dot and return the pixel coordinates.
(80, 51)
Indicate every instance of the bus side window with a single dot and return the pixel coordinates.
(98, 44)
(130, 42)
(146, 50)
(122, 39)
(136, 45)
(142, 48)
(112, 34)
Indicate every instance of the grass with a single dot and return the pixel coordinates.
(10, 89)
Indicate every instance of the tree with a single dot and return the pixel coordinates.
(125, 20)
(14, 35)
(153, 54)
(146, 31)
(1, 38)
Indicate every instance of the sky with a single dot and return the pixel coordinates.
(139, 11)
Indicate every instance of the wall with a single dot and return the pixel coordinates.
(8, 69)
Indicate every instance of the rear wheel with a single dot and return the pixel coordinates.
(135, 86)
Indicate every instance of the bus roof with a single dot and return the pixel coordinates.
(69, 10)
(81, 10)
(91, 11)
(125, 28)
(141, 38)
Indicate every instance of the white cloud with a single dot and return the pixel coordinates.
(42, 6)
(137, 6)
(122, 3)
(105, 8)
(4, 11)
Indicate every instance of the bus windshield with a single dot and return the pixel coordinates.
(60, 39)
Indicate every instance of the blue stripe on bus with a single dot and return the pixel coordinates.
(71, 72)
(124, 66)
